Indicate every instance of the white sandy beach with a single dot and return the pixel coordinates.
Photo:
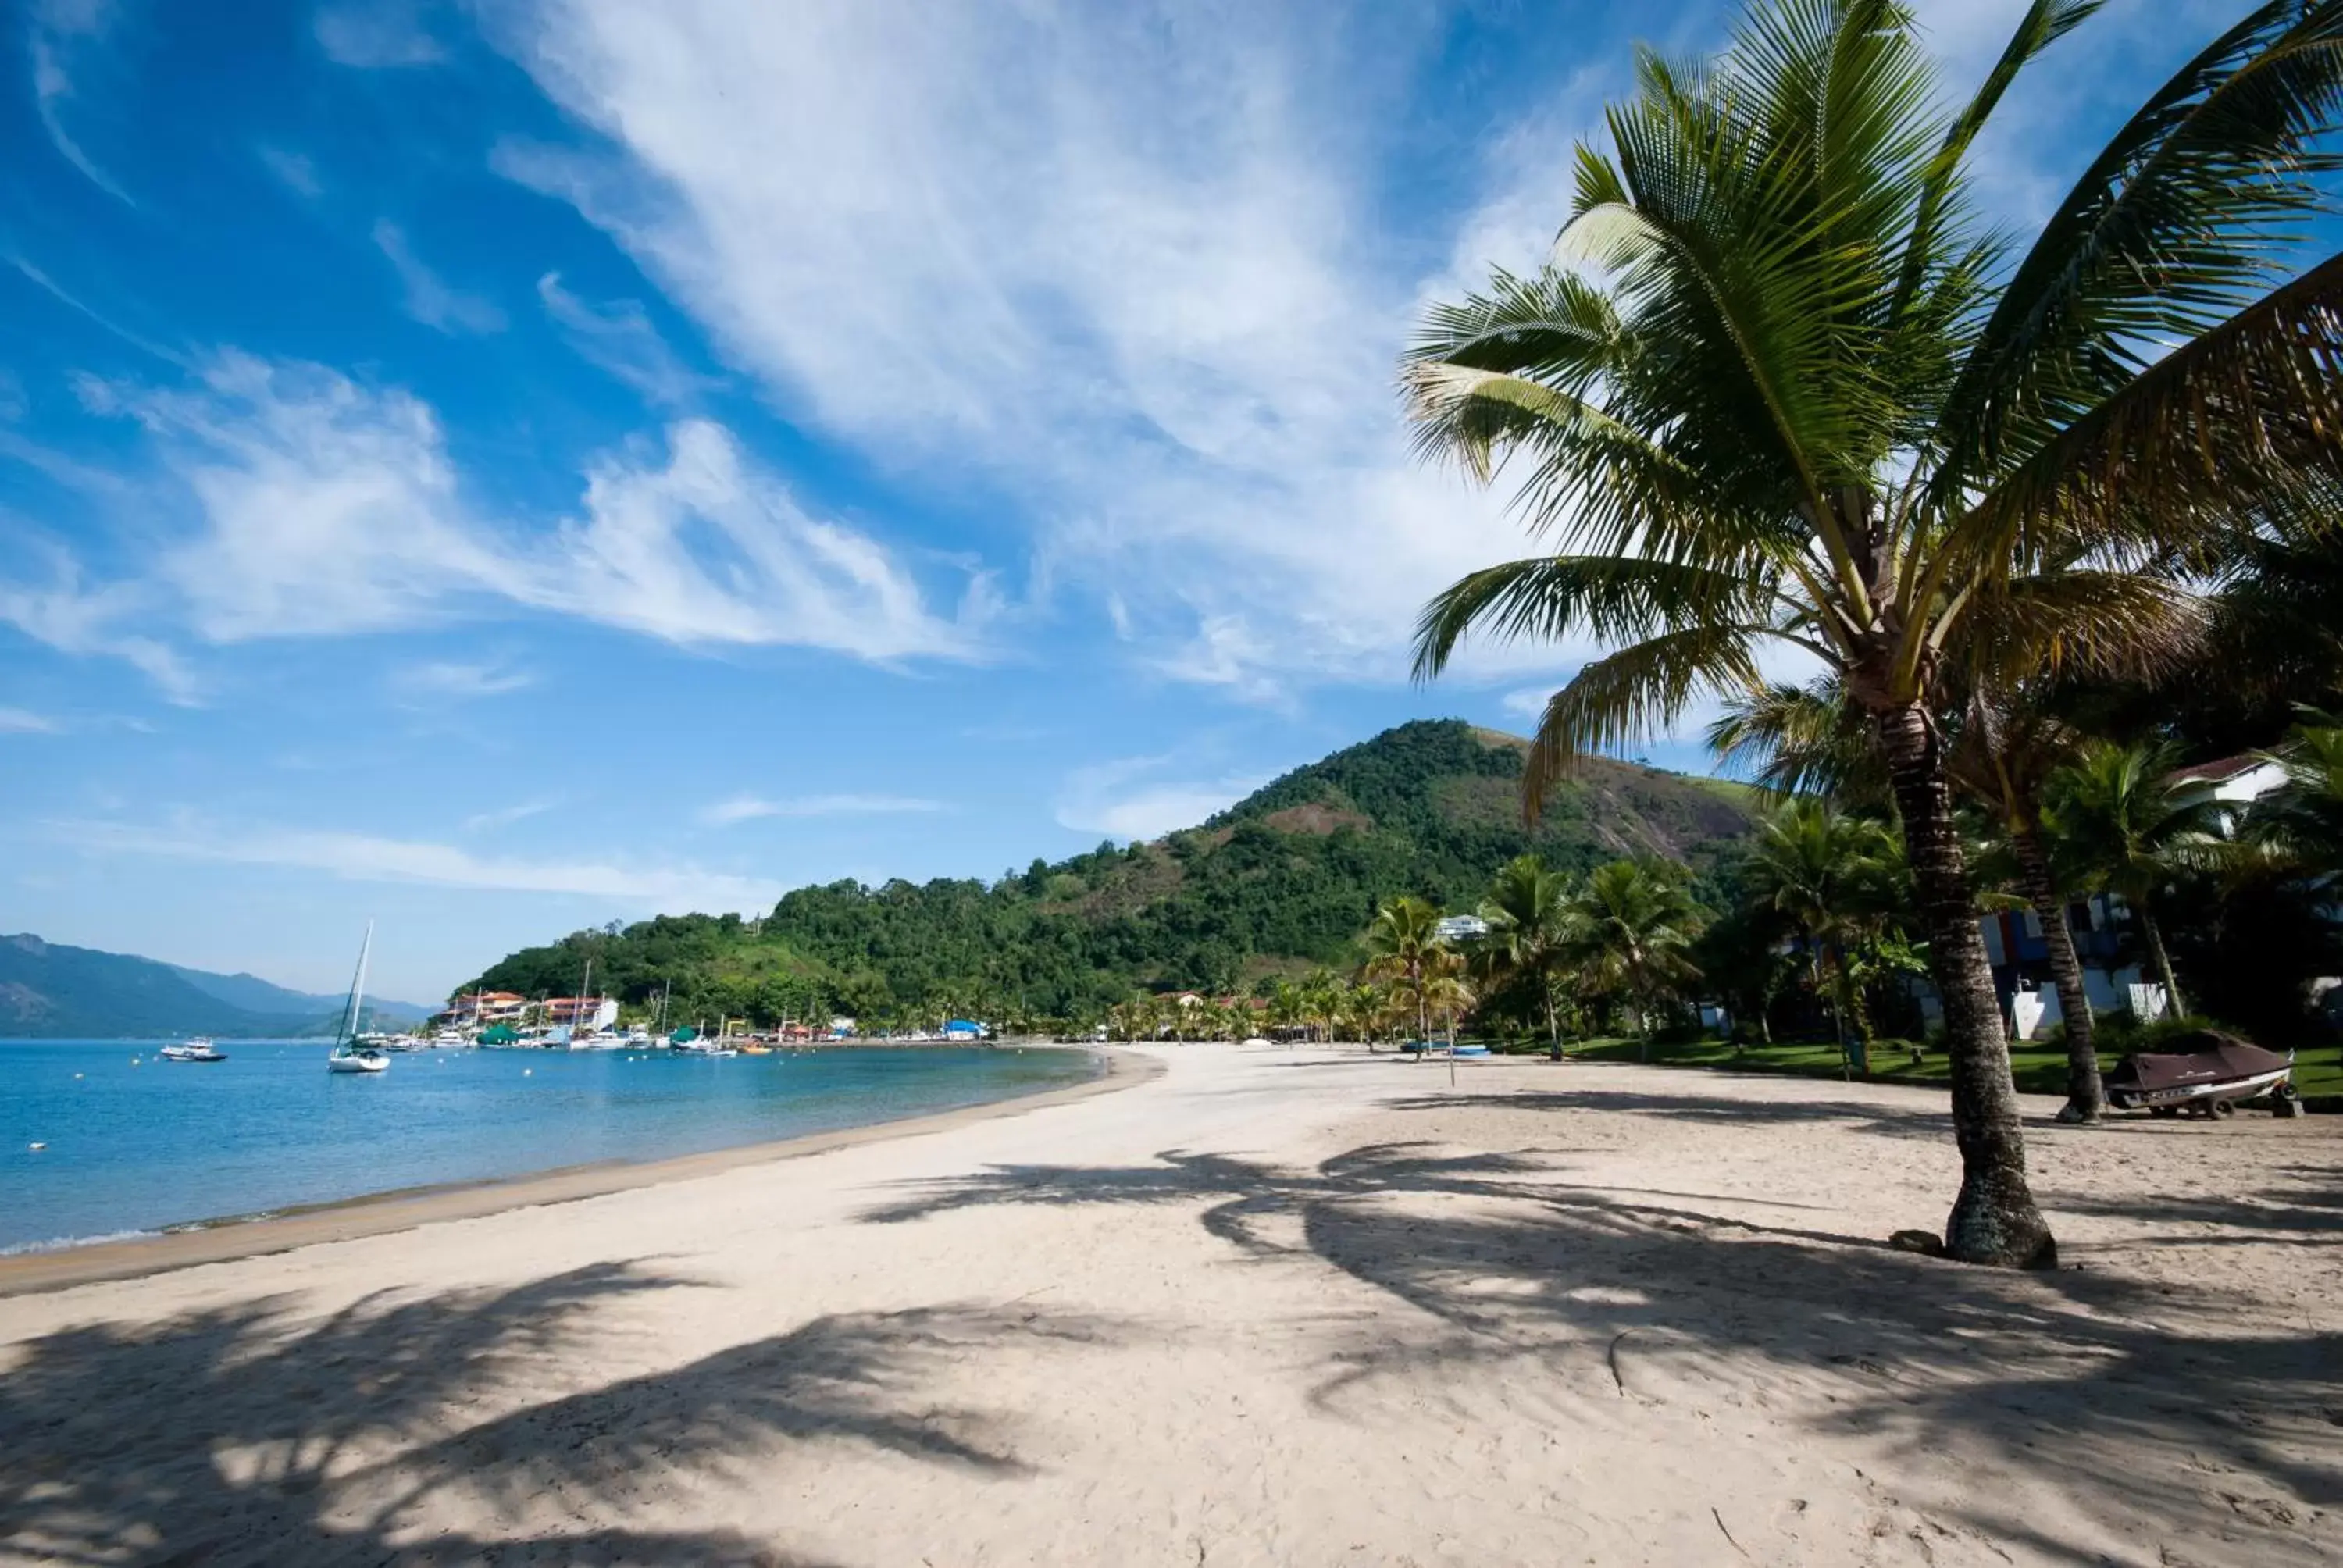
(1267, 1308)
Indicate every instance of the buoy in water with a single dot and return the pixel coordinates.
(527, 1071)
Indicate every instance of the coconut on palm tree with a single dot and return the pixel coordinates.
(2121, 821)
(1779, 388)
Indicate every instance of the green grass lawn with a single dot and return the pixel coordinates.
(2039, 1069)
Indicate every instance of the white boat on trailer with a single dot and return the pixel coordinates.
(353, 1052)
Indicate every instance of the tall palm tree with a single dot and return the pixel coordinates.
(1401, 942)
(1838, 880)
(1524, 912)
(2123, 823)
(1778, 387)
(1628, 928)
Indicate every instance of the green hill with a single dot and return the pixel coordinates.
(1280, 882)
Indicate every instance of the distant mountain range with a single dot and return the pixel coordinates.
(50, 991)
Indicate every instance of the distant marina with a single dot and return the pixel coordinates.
(107, 1139)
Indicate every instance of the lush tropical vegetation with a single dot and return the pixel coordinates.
(1781, 388)
(1278, 886)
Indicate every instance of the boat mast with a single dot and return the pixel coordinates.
(358, 988)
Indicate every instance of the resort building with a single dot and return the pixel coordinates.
(2105, 938)
(478, 1009)
(582, 1012)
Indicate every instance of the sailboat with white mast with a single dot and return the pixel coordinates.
(351, 1054)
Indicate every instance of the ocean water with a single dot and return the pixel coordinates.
(144, 1147)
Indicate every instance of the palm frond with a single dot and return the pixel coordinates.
(1616, 599)
(2172, 228)
(1634, 693)
(1802, 739)
(2044, 23)
(2101, 626)
(2244, 411)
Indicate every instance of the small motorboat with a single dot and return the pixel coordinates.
(2207, 1074)
(193, 1050)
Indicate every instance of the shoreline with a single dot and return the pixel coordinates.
(228, 1238)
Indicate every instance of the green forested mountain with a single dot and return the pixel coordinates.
(1282, 882)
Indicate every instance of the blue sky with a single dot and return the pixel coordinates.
(501, 467)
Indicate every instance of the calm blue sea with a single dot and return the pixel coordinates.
(145, 1146)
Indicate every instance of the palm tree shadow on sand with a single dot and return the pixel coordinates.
(2180, 1407)
(246, 1434)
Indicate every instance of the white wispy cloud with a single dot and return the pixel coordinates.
(1157, 234)
(452, 680)
(376, 34)
(428, 296)
(316, 505)
(747, 808)
(59, 30)
(618, 339)
(85, 621)
(506, 816)
(366, 858)
(1169, 336)
(1128, 798)
(296, 171)
(1529, 702)
(24, 721)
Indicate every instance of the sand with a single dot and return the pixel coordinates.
(1266, 1307)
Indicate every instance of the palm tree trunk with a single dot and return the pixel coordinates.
(2173, 1006)
(2086, 1098)
(1825, 961)
(1993, 1220)
(1552, 1027)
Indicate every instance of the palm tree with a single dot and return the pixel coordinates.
(2121, 822)
(1524, 914)
(1838, 880)
(2302, 819)
(1628, 926)
(1288, 1008)
(1405, 938)
(1321, 1000)
(1796, 398)
(2006, 745)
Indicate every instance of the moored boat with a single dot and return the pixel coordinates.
(193, 1050)
(354, 1051)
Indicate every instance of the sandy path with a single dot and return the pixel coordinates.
(1267, 1308)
